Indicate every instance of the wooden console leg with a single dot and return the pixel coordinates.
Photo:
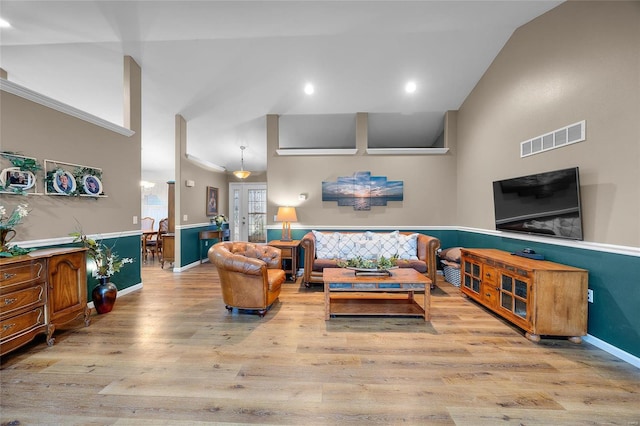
(87, 316)
(575, 339)
(50, 339)
(533, 337)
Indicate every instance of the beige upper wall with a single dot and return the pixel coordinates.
(579, 61)
(429, 182)
(37, 131)
(193, 200)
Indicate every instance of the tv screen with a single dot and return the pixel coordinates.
(543, 204)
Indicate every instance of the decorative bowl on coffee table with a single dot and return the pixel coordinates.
(372, 271)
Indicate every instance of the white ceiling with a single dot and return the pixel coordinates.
(224, 65)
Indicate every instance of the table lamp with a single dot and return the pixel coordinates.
(286, 215)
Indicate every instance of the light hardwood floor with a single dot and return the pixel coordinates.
(172, 354)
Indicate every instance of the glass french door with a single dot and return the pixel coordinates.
(248, 221)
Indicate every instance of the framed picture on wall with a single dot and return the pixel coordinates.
(64, 182)
(91, 185)
(212, 201)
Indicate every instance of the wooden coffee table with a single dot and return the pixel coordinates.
(346, 293)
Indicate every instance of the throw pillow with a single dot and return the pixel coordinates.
(347, 249)
(408, 246)
(367, 249)
(452, 254)
(388, 244)
(327, 245)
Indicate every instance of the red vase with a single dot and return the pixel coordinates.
(104, 296)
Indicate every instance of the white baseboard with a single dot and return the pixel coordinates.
(618, 353)
(189, 266)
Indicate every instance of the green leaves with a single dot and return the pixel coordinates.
(359, 262)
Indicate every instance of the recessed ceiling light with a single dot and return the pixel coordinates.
(410, 87)
(4, 24)
(309, 89)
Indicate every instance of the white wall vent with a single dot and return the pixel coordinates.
(568, 135)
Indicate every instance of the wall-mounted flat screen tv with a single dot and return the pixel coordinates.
(542, 204)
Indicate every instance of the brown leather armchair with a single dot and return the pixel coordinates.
(251, 274)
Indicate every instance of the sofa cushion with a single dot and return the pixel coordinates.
(327, 245)
(320, 264)
(418, 265)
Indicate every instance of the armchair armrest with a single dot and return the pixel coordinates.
(427, 249)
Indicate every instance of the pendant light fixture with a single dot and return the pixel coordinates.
(242, 173)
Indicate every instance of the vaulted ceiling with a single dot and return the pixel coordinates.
(224, 65)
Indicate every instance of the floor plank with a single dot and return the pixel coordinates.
(172, 354)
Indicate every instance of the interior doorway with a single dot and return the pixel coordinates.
(248, 210)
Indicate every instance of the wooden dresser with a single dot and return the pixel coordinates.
(39, 292)
(541, 297)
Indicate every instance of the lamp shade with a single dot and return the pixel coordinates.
(286, 214)
(242, 174)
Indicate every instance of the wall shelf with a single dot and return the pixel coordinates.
(92, 187)
(407, 151)
(296, 151)
(370, 151)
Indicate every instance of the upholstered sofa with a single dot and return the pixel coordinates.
(325, 249)
(251, 275)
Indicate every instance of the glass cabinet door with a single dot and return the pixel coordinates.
(472, 276)
(513, 295)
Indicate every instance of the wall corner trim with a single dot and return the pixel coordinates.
(23, 92)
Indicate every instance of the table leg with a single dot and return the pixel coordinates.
(427, 301)
(327, 302)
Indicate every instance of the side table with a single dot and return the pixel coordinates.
(216, 234)
(289, 250)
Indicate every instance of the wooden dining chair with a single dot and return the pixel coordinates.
(146, 225)
(155, 242)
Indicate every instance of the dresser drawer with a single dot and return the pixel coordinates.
(21, 323)
(15, 276)
(28, 297)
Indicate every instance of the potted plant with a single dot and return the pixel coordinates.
(7, 233)
(219, 220)
(107, 264)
